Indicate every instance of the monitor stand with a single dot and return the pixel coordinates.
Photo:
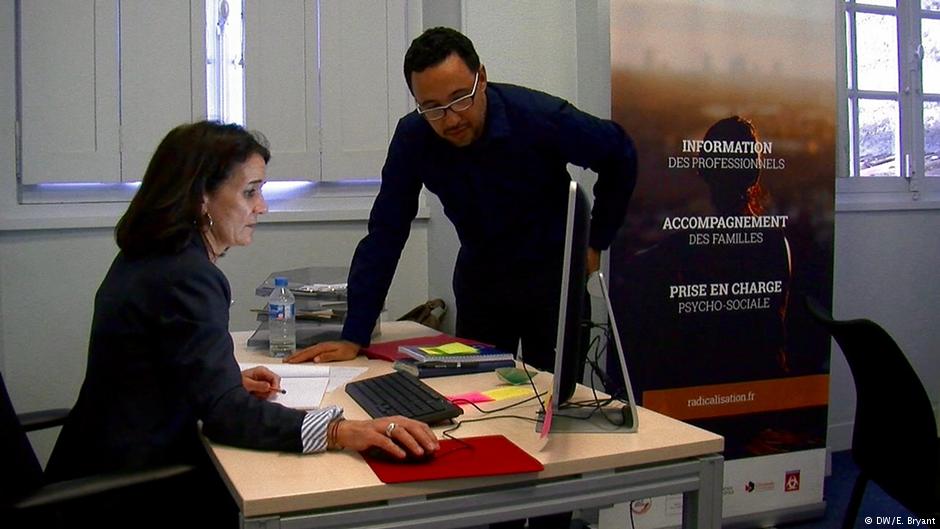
(616, 417)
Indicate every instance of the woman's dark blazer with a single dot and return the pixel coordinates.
(160, 359)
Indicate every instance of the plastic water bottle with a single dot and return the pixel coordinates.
(281, 317)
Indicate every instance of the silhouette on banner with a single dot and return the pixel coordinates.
(708, 304)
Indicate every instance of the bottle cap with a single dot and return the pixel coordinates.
(280, 281)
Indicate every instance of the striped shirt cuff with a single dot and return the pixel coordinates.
(313, 429)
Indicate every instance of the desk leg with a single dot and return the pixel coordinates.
(701, 509)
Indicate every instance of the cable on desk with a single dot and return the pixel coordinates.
(592, 356)
(594, 365)
(446, 433)
(596, 369)
(595, 346)
(530, 376)
(506, 407)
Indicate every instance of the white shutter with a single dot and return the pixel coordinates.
(281, 84)
(69, 91)
(103, 81)
(363, 91)
(163, 75)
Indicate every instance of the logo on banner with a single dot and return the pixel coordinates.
(641, 506)
(792, 481)
(760, 486)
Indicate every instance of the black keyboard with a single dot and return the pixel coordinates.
(400, 393)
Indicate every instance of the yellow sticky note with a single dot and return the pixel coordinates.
(511, 392)
(455, 348)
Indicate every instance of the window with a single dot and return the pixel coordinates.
(98, 83)
(319, 78)
(323, 82)
(225, 61)
(891, 93)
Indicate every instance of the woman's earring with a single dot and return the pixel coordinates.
(209, 218)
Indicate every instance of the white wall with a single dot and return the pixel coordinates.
(883, 260)
(526, 42)
(442, 238)
(885, 263)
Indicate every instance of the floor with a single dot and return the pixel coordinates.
(838, 489)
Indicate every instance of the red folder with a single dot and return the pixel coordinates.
(489, 455)
(389, 350)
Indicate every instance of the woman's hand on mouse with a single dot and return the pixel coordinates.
(392, 434)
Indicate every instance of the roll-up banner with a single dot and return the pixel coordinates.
(732, 108)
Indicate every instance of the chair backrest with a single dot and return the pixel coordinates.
(22, 473)
(894, 441)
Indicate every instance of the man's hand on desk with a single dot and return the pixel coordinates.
(325, 352)
(407, 434)
(261, 382)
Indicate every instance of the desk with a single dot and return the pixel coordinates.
(338, 489)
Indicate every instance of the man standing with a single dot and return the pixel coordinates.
(496, 155)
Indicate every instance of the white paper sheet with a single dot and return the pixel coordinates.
(307, 383)
(303, 393)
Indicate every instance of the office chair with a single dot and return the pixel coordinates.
(894, 442)
(25, 497)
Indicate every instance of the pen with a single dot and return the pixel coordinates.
(282, 391)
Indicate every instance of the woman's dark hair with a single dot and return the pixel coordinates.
(734, 189)
(192, 161)
(435, 45)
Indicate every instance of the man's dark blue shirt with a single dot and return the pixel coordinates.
(506, 193)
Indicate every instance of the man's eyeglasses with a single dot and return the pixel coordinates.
(457, 105)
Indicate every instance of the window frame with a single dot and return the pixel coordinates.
(99, 206)
(912, 189)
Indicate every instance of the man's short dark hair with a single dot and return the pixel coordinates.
(435, 45)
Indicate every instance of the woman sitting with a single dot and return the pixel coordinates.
(160, 358)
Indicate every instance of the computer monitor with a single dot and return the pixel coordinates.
(569, 352)
(569, 358)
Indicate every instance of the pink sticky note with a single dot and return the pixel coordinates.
(466, 398)
(547, 422)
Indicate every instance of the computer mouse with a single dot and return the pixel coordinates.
(377, 453)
